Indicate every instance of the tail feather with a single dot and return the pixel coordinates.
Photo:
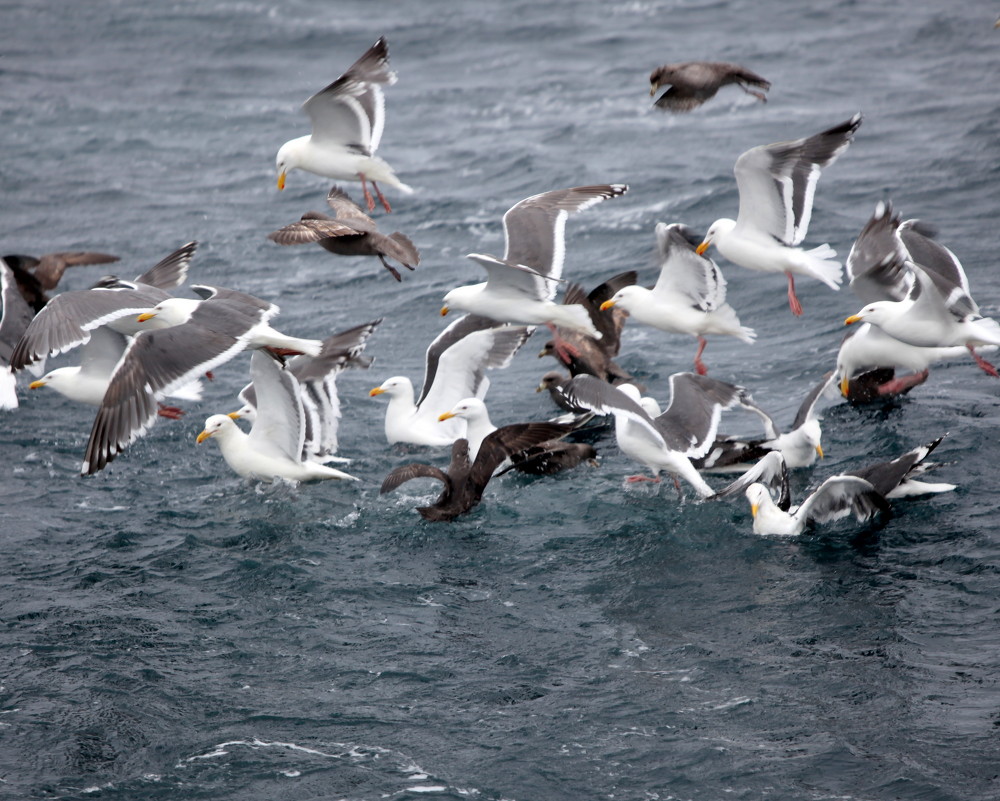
(819, 264)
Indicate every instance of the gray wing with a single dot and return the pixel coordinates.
(170, 272)
(807, 409)
(349, 212)
(886, 476)
(280, 424)
(943, 267)
(351, 110)
(155, 364)
(777, 182)
(248, 305)
(879, 264)
(600, 397)
(770, 471)
(683, 272)
(841, 496)
(16, 314)
(461, 353)
(535, 227)
(68, 319)
(690, 423)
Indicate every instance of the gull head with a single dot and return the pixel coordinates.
(169, 312)
(288, 158)
(877, 313)
(623, 298)
(758, 495)
(393, 387)
(217, 424)
(720, 227)
(468, 409)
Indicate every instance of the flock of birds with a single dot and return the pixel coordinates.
(141, 345)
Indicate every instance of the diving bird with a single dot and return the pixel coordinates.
(543, 458)
(686, 430)
(347, 121)
(581, 353)
(916, 292)
(466, 479)
(776, 184)
(455, 366)
(316, 384)
(689, 296)
(274, 447)
(521, 285)
(694, 82)
(350, 232)
(862, 493)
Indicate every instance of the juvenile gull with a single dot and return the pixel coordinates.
(316, 384)
(350, 232)
(862, 493)
(689, 296)
(776, 184)
(544, 458)
(455, 366)
(581, 353)
(347, 121)
(274, 447)
(693, 82)
(521, 285)
(465, 479)
(187, 338)
(686, 430)
(916, 292)
(37, 275)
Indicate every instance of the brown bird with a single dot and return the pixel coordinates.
(37, 275)
(693, 82)
(579, 352)
(350, 232)
(465, 480)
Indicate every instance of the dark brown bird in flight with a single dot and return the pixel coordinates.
(693, 82)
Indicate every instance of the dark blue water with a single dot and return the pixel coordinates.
(170, 631)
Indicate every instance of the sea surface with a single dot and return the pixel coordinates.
(171, 631)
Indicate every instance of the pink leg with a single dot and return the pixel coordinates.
(793, 302)
(170, 412)
(381, 197)
(564, 351)
(699, 365)
(368, 195)
(984, 365)
(637, 479)
(900, 385)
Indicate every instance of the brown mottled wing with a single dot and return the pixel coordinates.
(506, 441)
(51, 266)
(313, 227)
(348, 212)
(407, 472)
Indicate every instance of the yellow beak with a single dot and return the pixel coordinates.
(444, 310)
(819, 450)
(845, 384)
(700, 250)
(36, 384)
(376, 391)
(607, 305)
(445, 416)
(145, 316)
(652, 89)
(234, 415)
(281, 180)
(854, 318)
(203, 436)
(753, 509)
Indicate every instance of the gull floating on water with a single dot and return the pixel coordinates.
(347, 121)
(776, 184)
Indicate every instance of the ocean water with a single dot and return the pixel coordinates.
(170, 631)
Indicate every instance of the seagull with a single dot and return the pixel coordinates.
(862, 493)
(350, 232)
(521, 285)
(579, 352)
(689, 296)
(347, 120)
(544, 458)
(37, 275)
(693, 82)
(466, 479)
(686, 430)
(916, 291)
(799, 446)
(186, 338)
(316, 384)
(15, 316)
(101, 321)
(273, 448)
(455, 364)
(776, 185)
